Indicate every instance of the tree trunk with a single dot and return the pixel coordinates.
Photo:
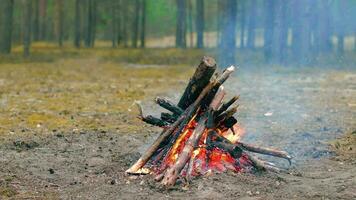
(227, 48)
(251, 26)
(268, 28)
(143, 23)
(42, 19)
(136, 24)
(200, 23)
(114, 23)
(119, 21)
(59, 21)
(94, 18)
(181, 24)
(301, 32)
(124, 23)
(242, 23)
(77, 25)
(324, 29)
(280, 33)
(6, 18)
(190, 22)
(36, 23)
(341, 27)
(27, 27)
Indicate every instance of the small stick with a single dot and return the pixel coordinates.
(167, 104)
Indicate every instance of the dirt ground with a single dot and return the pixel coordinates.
(69, 131)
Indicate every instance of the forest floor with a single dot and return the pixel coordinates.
(68, 127)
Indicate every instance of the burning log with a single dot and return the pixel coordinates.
(172, 173)
(200, 134)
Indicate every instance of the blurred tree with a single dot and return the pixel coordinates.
(280, 32)
(27, 27)
(251, 24)
(42, 19)
(341, 26)
(323, 42)
(125, 17)
(36, 23)
(181, 26)
(143, 23)
(228, 33)
(269, 10)
(301, 32)
(59, 21)
(114, 22)
(77, 24)
(200, 23)
(136, 24)
(6, 18)
(190, 22)
(91, 23)
(242, 23)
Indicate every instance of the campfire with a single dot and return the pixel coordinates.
(200, 134)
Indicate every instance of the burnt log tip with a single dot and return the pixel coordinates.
(208, 61)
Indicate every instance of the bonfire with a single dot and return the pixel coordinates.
(200, 134)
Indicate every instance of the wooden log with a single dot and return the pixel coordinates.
(255, 149)
(220, 80)
(266, 151)
(173, 172)
(154, 121)
(168, 117)
(226, 105)
(167, 104)
(226, 115)
(199, 80)
(183, 119)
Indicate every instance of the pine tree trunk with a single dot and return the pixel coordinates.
(6, 18)
(181, 24)
(114, 24)
(280, 33)
(324, 32)
(268, 29)
(42, 19)
(27, 27)
(143, 23)
(251, 24)
(89, 23)
(200, 23)
(190, 22)
(125, 19)
(77, 25)
(341, 27)
(242, 23)
(228, 33)
(301, 32)
(94, 18)
(36, 23)
(136, 24)
(59, 21)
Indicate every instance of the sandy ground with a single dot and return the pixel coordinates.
(81, 152)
